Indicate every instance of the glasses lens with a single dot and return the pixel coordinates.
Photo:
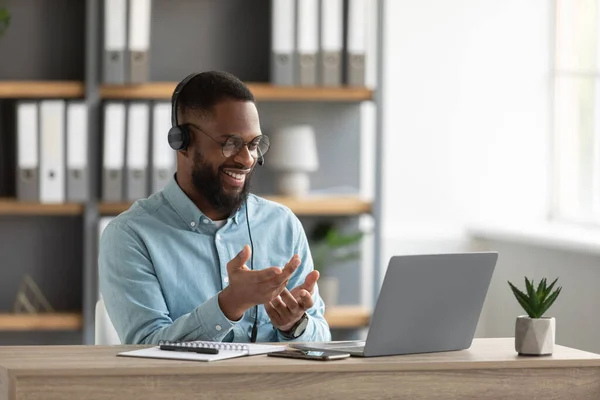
(232, 146)
(257, 147)
(262, 145)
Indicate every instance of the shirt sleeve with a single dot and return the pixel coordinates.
(134, 300)
(317, 329)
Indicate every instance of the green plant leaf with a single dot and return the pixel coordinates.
(546, 305)
(541, 289)
(334, 239)
(4, 20)
(532, 298)
(549, 288)
(523, 300)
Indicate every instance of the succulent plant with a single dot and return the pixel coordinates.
(536, 301)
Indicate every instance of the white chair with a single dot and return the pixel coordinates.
(105, 333)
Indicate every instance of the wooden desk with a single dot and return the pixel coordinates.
(490, 369)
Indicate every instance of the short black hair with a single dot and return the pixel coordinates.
(207, 89)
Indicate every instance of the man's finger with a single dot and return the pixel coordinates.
(305, 300)
(264, 274)
(273, 314)
(287, 271)
(289, 301)
(239, 260)
(309, 282)
(279, 307)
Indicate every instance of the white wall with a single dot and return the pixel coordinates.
(467, 112)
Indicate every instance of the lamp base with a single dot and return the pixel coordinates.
(293, 183)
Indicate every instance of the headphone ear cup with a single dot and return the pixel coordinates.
(179, 137)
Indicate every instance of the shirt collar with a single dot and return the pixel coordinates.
(186, 208)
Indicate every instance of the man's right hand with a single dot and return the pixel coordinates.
(248, 288)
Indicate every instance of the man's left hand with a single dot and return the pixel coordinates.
(287, 308)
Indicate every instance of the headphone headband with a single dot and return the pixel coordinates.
(178, 89)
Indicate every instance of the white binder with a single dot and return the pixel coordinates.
(138, 132)
(358, 14)
(115, 30)
(308, 42)
(113, 152)
(163, 157)
(332, 42)
(77, 152)
(52, 151)
(28, 167)
(140, 13)
(283, 35)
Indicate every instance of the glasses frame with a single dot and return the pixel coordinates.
(223, 144)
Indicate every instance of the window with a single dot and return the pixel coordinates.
(577, 111)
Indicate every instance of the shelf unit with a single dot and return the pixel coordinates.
(341, 317)
(15, 207)
(261, 91)
(325, 206)
(82, 80)
(41, 322)
(41, 89)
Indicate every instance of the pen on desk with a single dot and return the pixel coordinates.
(203, 350)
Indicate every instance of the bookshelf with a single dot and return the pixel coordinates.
(64, 61)
(340, 317)
(261, 91)
(41, 322)
(320, 206)
(41, 89)
(15, 207)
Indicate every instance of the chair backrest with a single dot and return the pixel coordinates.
(105, 333)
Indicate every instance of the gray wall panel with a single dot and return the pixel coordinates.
(45, 40)
(197, 35)
(47, 248)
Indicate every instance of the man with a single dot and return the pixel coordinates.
(179, 265)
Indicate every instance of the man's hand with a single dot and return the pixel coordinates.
(286, 309)
(248, 288)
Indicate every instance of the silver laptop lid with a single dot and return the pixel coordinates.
(430, 303)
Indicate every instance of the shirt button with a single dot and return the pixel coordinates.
(218, 237)
(205, 220)
(192, 223)
(218, 327)
(226, 279)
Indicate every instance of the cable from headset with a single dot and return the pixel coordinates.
(255, 326)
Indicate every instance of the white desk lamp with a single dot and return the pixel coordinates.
(293, 154)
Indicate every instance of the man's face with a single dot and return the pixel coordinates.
(223, 181)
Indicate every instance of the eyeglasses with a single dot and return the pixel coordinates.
(257, 147)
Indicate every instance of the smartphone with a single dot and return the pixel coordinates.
(310, 354)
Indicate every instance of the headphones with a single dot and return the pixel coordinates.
(179, 135)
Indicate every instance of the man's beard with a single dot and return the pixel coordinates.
(208, 183)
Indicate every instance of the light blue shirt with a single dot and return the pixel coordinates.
(162, 264)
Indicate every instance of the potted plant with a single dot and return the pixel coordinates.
(4, 19)
(534, 333)
(330, 247)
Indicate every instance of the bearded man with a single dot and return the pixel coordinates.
(204, 259)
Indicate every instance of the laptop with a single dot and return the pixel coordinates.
(427, 303)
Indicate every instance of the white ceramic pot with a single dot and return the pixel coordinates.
(328, 290)
(535, 336)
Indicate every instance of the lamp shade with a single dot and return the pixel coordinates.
(294, 148)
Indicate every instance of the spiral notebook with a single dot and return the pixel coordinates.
(225, 350)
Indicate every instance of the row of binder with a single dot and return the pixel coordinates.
(126, 52)
(309, 46)
(52, 152)
(52, 139)
(137, 159)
